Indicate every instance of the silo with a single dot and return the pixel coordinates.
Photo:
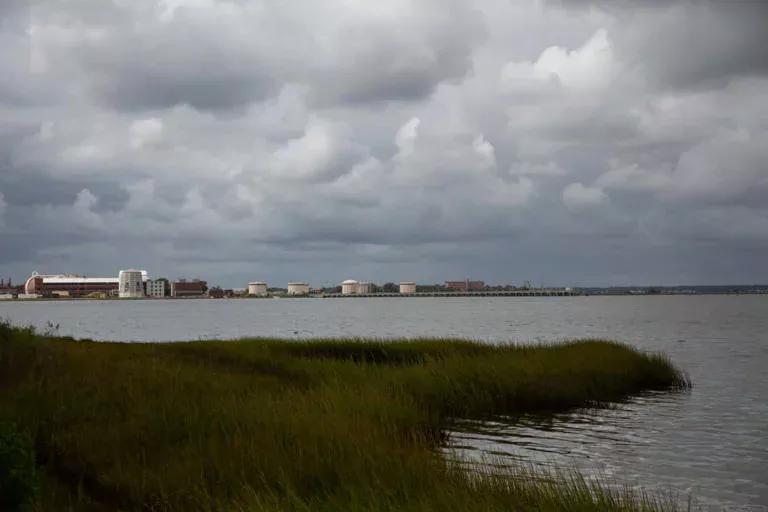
(298, 288)
(131, 284)
(258, 288)
(349, 287)
(364, 288)
(407, 288)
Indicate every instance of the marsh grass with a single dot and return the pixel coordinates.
(305, 425)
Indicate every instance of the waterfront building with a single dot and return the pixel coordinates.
(72, 285)
(257, 288)
(298, 288)
(156, 288)
(131, 284)
(364, 288)
(464, 286)
(187, 289)
(407, 288)
(349, 287)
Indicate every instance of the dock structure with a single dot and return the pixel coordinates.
(485, 293)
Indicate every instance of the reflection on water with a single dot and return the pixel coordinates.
(637, 444)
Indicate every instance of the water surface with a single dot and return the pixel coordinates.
(711, 443)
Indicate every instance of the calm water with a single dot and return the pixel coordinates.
(711, 443)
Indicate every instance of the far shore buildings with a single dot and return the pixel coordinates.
(298, 289)
(131, 283)
(257, 288)
(465, 286)
(73, 285)
(7, 290)
(407, 288)
(352, 287)
(187, 288)
(155, 288)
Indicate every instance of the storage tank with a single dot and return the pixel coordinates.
(298, 288)
(257, 288)
(364, 288)
(407, 288)
(349, 287)
(131, 284)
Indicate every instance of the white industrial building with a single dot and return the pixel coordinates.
(349, 287)
(257, 288)
(407, 288)
(298, 288)
(131, 284)
(352, 287)
(156, 288)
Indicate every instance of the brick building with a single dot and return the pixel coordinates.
(465, 286)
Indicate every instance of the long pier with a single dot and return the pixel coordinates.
(489, 293)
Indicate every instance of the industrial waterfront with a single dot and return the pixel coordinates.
(137, 284)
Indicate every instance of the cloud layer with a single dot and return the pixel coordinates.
(563, 142)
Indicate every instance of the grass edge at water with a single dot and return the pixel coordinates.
(331, 427)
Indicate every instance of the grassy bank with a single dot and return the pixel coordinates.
(281, 425)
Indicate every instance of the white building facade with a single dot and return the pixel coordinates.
(155, 288)
(131, 284)
(407, 288)
(257, 288)
(298, 288)
(349, 287)
(364, 288)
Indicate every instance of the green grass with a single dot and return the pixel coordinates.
(311, 425)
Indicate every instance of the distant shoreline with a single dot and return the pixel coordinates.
(423, 295)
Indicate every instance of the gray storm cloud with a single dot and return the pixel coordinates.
(566, 141)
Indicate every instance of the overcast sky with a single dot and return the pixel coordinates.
(566, 142)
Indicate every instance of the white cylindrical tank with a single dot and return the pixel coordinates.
(407, 288)
(298, 288)
(364, 288)
(257, 288)
(131, 284)
(349, 287)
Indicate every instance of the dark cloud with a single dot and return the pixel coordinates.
(689, 43)
(176, 68)
(422, 141)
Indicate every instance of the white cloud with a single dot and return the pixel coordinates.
(592, 66)
(323, 152)
(634, 177)
(406, 136)
(537, 169)
(576, 195)
(144, 132)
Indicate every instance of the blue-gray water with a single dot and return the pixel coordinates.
(711, 443)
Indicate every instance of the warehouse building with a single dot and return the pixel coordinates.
(73, 285)
(187, 288)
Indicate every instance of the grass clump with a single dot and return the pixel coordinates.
(19, 478)
(310, 425)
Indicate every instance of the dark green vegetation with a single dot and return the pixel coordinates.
(280, 425)
(19, 477)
